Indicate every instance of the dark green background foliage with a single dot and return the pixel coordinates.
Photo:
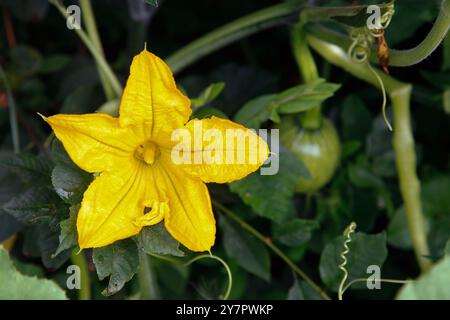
(50, 71)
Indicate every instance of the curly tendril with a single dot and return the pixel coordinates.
(343, 287)
(360, 49)
(347, 239)
(200, 257)
(386, 19)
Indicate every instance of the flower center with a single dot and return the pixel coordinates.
(147, 152)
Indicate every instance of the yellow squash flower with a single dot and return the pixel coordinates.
(138, 184)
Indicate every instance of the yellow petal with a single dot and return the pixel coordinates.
(190, 219)
(114, 205)
(95, 142)
(152, 98)
(220, 150)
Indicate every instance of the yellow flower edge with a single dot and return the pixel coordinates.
(138, 184)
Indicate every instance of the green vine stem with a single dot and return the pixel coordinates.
(147, 278)
(312, 118)
(405, 155)
(285, 12)
(91, 28)
(339, 57)
(397, 58)
(99, 58)
(403, 141)
(233, 31)
(79, 259)
(403, 58)
(385, 280)
(274, 248)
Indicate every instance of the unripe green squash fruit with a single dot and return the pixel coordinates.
(319, 149)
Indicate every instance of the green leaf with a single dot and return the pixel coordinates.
(48, 242)
(295, 232)
(27, 10)
(208, 95)
(439, 80)
(16, 286)
(119, 261)
(295, 292)
(304, 97)
(156, 239)
(293, 100)
(70, 182)
(59, 154)
(8, 225)
(398, 232)
(54, 63)
(208, 112)
(255, 112)
(383, 165)
(271, 196)
(174, 277)
(436, 207)
(34, 205)
(300, 290)
(402, 27)
(434, 285)
(152, 2)
(355, 118)
(9, 187)
(41, 240)
(68, 238)
(362, 177)
(349, 148)
(83, 99)
(29, 168)
(365, 250)
(25, 61)
(243, 247)
(29, 269)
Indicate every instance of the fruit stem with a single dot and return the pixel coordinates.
(312, 118)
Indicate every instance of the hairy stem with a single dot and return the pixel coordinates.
(99, 58)
(91, 28)
(233, 31)
(85, 281)
(147, 278)
(274, 248)
(403, 140)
